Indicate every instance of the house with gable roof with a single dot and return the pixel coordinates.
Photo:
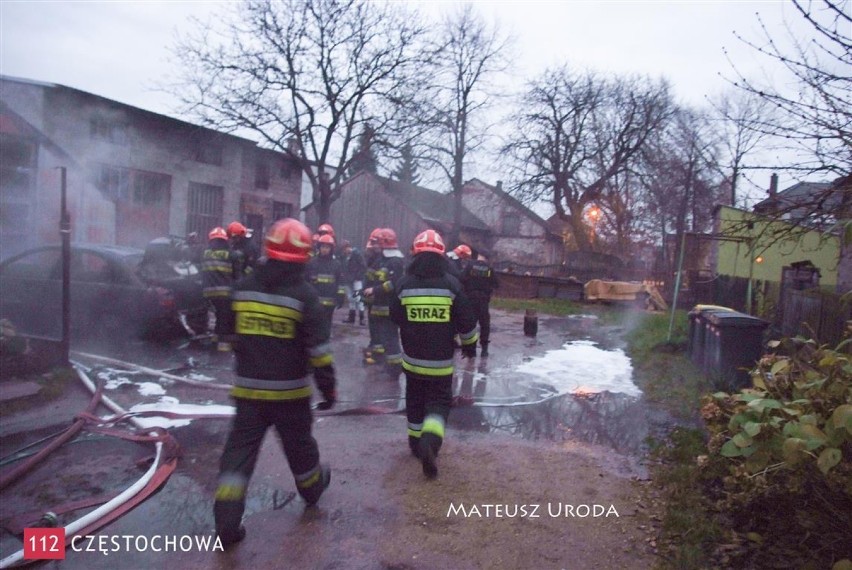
(491, 221)
(518, 234)
(368, 201)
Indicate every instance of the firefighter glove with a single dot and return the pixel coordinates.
(329, 398)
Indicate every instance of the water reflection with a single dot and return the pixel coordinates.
(579, 391)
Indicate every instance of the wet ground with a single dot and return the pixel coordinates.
(553, 421)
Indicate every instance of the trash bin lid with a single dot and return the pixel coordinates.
(697, 309)
(735, 319)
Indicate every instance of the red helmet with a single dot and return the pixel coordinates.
(326, 229)
(373, 240)
(463, 251)
(288, 240)
(326, 239)
(217, 233)
(236, 229)
(430, 240)
(387, 239)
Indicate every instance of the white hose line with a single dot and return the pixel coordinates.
(154, 372)
(116, 501)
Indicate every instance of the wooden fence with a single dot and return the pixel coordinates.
(814, 313)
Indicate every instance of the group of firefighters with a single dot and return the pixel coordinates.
(277, 316)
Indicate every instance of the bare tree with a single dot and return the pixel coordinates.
(313, 71)
(575, 132)
(814, 110)
(813, 118)
(450, 117)
(738, 116)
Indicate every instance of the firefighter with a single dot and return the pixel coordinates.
(353, 280)
(479, 283)
(386, 265)
(242, 247)
(281, 335)
(325, 274)
(457, 260)
(219, 270)
(326, 229)
(373, 352)
(430, 308)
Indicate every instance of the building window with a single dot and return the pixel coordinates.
(204, 208)
(281, 210)
(113, 182)
(151, 189)
(134, 186)
(511, 225)
(109, 131)
(209, 152)
(261, 174)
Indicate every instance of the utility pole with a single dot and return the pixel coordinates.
(65, 234)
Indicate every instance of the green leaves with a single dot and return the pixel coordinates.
(797, 414)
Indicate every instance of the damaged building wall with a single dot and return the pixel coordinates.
(132, 175)
(519, 235)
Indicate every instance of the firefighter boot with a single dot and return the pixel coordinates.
(351, 318)
(231, 538)
(313, 493)
(361, 318)
(429, 454)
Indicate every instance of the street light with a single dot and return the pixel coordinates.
(594, 215)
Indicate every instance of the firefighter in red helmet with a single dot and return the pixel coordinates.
(326, 275)
(385, 264)
(242, 247)
(220, 268)
(281, 336)
(430, 308)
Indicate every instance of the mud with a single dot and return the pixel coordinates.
(526, 440)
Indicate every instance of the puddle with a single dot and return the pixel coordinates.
(582, 367)
(582, 389)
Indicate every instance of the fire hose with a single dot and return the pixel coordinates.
(156, 475)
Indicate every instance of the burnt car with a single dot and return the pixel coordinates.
(115, 293)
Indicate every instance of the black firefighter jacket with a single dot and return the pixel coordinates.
(281, 333)
(383, 271)
(326, 275)
(430, 308)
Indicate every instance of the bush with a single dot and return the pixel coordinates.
(780, 454)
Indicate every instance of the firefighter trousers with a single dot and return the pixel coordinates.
(480, 302)
(292, 420)
(427, 407)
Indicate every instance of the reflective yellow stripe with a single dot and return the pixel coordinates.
(267, 309)
(413, 432)
(469, 338)
(426, 300)
(252, 394)
(320, 361)
(434, 424)
(230, 492)
(379, 311)
(444, 371)
(310, 481)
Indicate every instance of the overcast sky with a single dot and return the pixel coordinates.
(119, 50)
